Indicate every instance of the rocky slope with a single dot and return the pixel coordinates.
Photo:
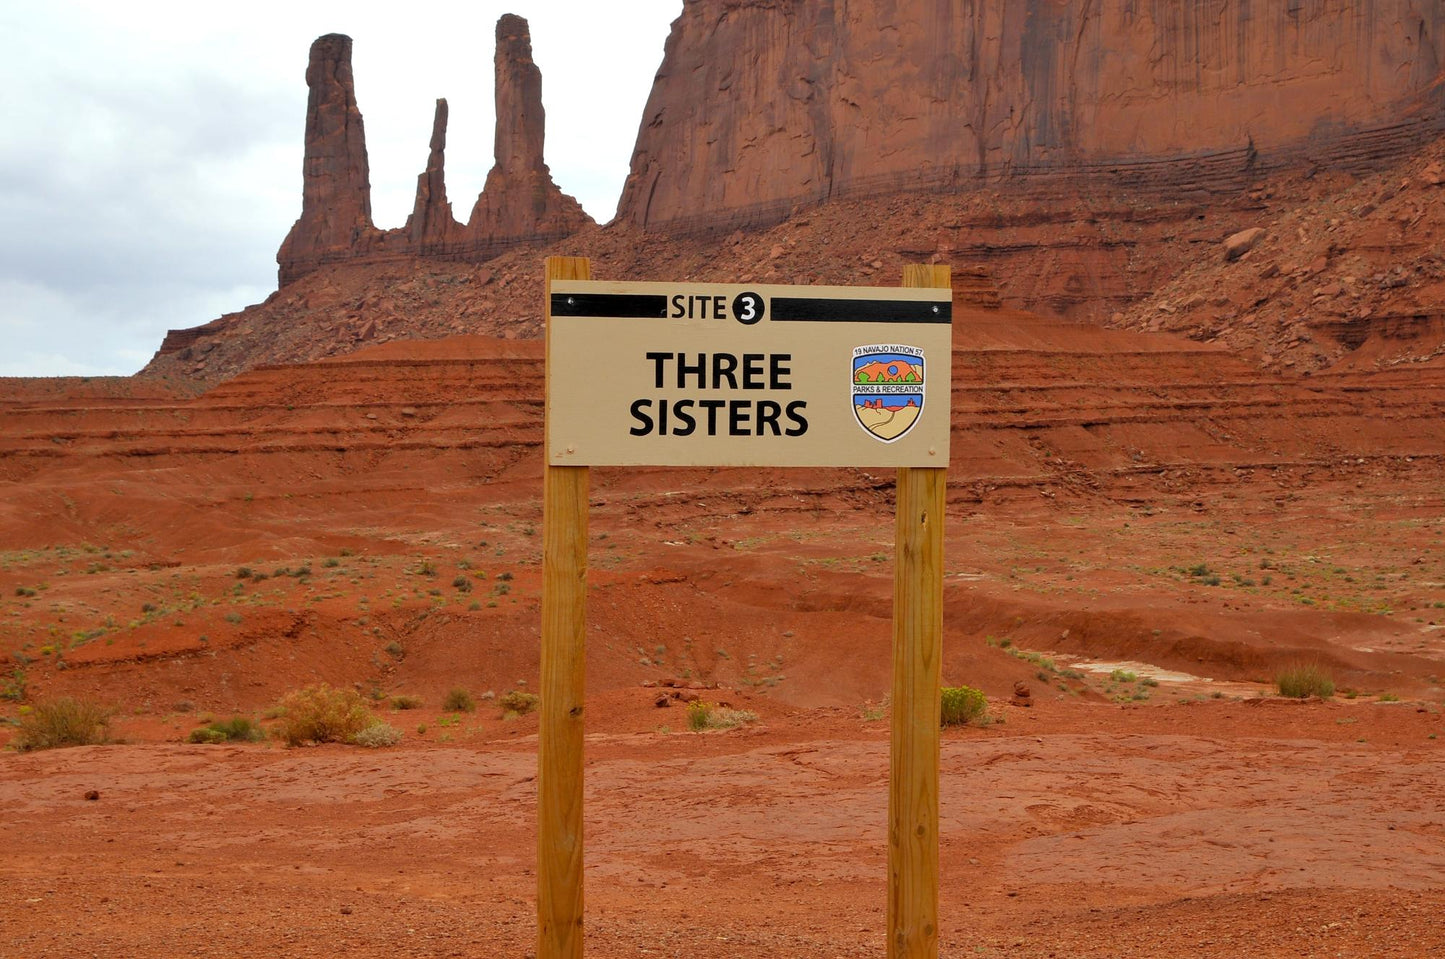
(518, 204)
(1126, 263)
(1355, 279)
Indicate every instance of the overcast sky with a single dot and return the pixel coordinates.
(150, 160)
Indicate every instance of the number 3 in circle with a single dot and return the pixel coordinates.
(748, 308)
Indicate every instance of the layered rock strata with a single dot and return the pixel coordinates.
(519, 203)
(762, 108)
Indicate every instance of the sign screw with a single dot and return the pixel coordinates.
(935, 306)
(572, 302)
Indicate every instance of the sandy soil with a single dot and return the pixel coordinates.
(1140, 530)
(1205, 828)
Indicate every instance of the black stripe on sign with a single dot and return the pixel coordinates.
(640, 305)
(804, 310)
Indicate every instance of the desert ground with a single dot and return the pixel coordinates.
(1141, 530)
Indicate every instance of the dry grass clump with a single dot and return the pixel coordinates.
(518, 703)
(320, 714)
(702, 715)
(1303, 680)
(961, 705)
(63, 722)
(233, 730)
(405, 701)
(459, 700)
(378, 735)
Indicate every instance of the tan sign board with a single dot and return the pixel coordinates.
(713, 374)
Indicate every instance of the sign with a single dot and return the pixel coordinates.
(709, 374)
(731, 375)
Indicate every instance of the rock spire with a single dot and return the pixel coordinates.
(335, 179)
(431, 220)
(520, 203)
(519, 194)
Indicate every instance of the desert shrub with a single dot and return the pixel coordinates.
(699, 712)
(703, 715)
(63, 722)
(518, 703)
(320, 714)
(961, 705)
(405, 701)
(462, 585)
(1304, 680)
(1123, 676)
(458, 700)
(233, 730)
(724, 718)
(13, 686)
(378, 735)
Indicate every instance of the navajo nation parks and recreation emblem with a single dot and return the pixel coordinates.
(715, 374)
(888, 394)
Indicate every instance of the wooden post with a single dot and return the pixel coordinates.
(564, 628)
(917, 654)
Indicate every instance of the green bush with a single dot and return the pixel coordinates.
(63, 722)
(518, 703)
(458, 700)
(961, 705)
(1304, 680)
(698, 714)
(320, 714)
(233, 730)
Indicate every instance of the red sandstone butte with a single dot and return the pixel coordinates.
(520, 203)
(761, 108)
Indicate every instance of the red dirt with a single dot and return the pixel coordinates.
(1114, 499)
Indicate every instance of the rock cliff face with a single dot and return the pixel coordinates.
(519, 187)
(761, 107)
(519, 203)
(335, 178)
(431, 219)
